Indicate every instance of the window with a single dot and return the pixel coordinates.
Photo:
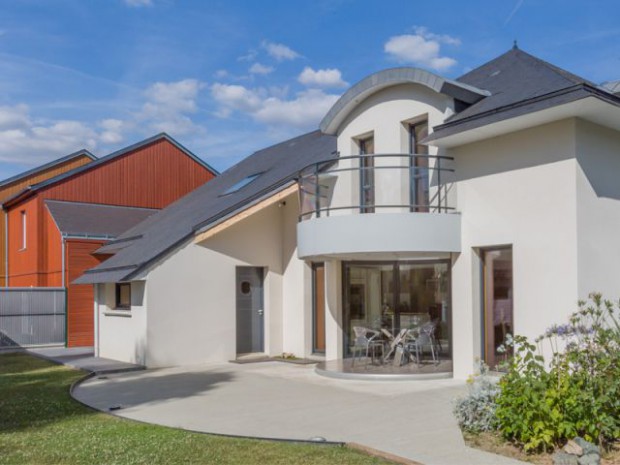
(241, 184)
(123, 296)
(420, 198)
(24, 231)
(367, 175)
(497, 316)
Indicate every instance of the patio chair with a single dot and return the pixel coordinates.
(425, 338)
(366, 341)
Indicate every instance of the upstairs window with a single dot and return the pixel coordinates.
(123, 296)
(24, 230)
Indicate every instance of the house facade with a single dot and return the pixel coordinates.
(56, 226)
(15, 184)
(482, 206)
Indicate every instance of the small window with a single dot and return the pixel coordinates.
(245, 287)
(241, 184)
(123, 296)
(24, 230)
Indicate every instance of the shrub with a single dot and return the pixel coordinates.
(578, 394)
(475, 412)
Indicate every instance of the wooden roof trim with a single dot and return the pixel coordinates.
(251, 210)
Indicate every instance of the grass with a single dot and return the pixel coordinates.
(41, 424)
(494, 443)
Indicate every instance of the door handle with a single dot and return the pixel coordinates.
(261, 311)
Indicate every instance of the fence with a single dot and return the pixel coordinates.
(32, 316)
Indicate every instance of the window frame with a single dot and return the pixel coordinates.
(24, 226)
(118, 305)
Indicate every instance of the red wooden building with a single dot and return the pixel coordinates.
(55, 226)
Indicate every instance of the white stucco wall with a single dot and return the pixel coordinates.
(519, 190)
(192, 300)
(385, 115)
(121, 334)
(598, 210)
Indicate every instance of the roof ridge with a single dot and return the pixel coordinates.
(112, 156)
(101, 204)
(56, 161)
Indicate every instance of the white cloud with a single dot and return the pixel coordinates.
(441, 38)
(112, 130)
(330, 77)
(272, 107)
(138, 3)
(422, 48)
(221, 74)
(250, 56)
(258, 68)
(280, 52)
(26, 140)
(168, 105)
(304, 111)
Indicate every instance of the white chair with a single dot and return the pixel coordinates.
(425, 337)
(366, 340)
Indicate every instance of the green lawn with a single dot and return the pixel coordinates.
(41, 424)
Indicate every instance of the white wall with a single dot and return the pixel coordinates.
(192, 300)
(598, 209)
(121, 333)
(519, 190)
(385, 115)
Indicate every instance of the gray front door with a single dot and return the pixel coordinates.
(250, 311)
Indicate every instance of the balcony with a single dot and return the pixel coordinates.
(378, 204)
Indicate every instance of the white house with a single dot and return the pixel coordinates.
(485, 205)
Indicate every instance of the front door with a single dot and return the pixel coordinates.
(250, 310)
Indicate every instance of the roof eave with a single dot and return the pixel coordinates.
(392, 77)
(573, 93)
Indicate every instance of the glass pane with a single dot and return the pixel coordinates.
(368, 299)
(498, 312)
(424, 298)
(367, 176)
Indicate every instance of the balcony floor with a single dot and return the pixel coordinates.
(363, 369)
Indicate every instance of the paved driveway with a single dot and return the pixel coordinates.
(411, 419)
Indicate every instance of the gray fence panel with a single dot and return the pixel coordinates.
(32, 316)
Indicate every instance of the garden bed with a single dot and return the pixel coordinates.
(492, 442)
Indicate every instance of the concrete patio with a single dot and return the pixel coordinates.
(284, 401)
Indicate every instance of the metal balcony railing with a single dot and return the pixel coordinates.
(376, 183)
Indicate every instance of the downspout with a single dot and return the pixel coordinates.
(6, 247)
(62, 248)
(96, 309)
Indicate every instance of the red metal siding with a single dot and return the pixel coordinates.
(20, 184)
(80, 297)
(153, 177)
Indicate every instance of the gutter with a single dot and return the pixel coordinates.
(593, 91)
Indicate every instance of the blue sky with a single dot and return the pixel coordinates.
(228, 77)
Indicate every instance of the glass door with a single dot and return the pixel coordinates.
(497, 303)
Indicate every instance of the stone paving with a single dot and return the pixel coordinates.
(410, 419)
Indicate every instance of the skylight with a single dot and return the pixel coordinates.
(241, 184)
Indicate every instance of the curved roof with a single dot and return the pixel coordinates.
(392, 77)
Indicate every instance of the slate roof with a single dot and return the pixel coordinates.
(51, 164)
(519, 83)
(163, 232)
(99, 161)
(95, 220)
